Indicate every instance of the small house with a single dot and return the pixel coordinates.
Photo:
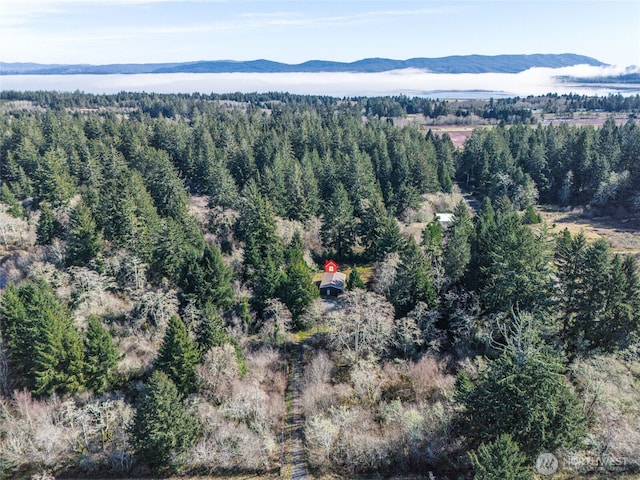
(445, 219)
(333, 282)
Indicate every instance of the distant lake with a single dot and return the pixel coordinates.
(536, 81)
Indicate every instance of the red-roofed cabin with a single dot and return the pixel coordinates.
(333, 281)
(330, 266)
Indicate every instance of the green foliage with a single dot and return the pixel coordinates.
(52, 179)
(599, 296)
(457, 250)
(45, 350)
(379, 232)
(524, 394)
(101, 357)
(568, 165)
(176, 244)
(125, 209)
(264, 252)
(457, 253)
(432, 238)
(267, 282)
(84, 241)
(178, 356)
(208, 279)
(6, 196)
(511, 267)
(15, 176)
(298, 289)
(500, 460)
(530, 216)
(161, 427)
(338, 226)
(355, 280)
(414, 280)
(48, 226)
(210, 332)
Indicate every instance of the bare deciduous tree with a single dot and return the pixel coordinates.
(362, 327)
(217, 372)
(386, 274)
(90, 290)
(276, 322)
(407, 336)
(155, 307)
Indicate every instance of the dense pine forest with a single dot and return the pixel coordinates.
(159, 265)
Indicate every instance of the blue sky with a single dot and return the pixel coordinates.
(144, 31)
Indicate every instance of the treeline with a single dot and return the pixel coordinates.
(563, 165)
(509, 110)
(319, 146)
(166, 261)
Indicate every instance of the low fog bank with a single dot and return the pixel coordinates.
(411, 82)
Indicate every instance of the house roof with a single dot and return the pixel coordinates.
(328, 264)
(335, 280)
(444, 218)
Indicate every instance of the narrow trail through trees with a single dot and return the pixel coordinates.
(296, 459)
(472, 201)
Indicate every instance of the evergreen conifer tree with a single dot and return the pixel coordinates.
(210, 332)
(457, 250)
(178, 356)
(7, 196)
(101, 357)
(48, 226)
(216, 285)
(161, 428)
(500, 460)
(338, 226)
(84, 241)
(354, 280)
(524, 394)
(414, 280)
(298, 289)
(45, 348)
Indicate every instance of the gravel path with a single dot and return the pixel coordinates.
(296, 420)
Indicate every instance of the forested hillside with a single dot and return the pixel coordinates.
(451, 64)
(158, 255)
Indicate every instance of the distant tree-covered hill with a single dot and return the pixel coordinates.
(451, 64)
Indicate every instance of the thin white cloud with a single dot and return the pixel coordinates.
(17, 12)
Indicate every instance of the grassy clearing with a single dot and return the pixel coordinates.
(366, 273)
(624, 236)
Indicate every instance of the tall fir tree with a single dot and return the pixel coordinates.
(101, 357)
(298, 289)
(210, 331)
(45, 349)
(178, 356)
(413, 281)
(161, 428)
(338, 224)
(208, 279)
(355, 280)
(216, 286)
(48, 226)
(84, 242)
(513, 262)
(524, 394)
(501, 459)
(457, 251)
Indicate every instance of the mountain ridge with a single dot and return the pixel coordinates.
(450, 64)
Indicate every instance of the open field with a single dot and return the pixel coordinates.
(624, 236)
(460, 132)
